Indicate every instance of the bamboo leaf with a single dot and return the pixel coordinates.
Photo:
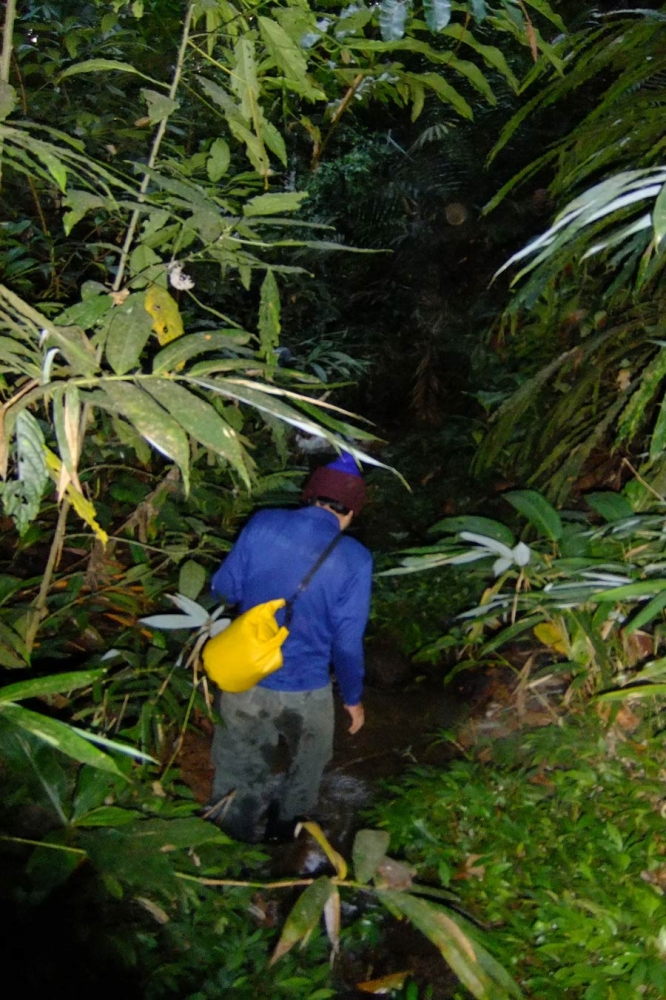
(393, 19)
(105, 66)
(40, 687)
(437, 13)
(333, 856)
(370, 847)
(202, 422)
(184, 348)
(153, 423)
(647, 613)
(475, 968)
(659, 217)
(58, 735)
(538, 511)
(304, 917)
(447, 93)
(476, 524)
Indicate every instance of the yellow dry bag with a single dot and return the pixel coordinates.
(251, 647)
(247, 650)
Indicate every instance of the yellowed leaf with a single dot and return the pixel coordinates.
(336, 859)
(551, 635)
(385, 984)
(163, 309)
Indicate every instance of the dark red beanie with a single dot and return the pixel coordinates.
(330, 483)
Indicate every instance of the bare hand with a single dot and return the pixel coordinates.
(357, 715)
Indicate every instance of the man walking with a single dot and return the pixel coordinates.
(272, 557)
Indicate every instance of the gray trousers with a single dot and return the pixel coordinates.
(245, 755)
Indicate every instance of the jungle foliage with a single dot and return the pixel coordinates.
(152, 223)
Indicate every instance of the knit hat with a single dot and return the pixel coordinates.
(340, 480)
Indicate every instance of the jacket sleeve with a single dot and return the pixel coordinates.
(228, 582)
(350, 619)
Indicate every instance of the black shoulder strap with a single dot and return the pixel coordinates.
(305, 582)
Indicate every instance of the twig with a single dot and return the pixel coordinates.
(643, 482)
(154, 152)
(53, 560)
(339, 111)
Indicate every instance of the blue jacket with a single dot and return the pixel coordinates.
(272, 555)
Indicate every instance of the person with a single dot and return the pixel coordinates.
(272, 556)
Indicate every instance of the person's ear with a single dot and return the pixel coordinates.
(346, 520)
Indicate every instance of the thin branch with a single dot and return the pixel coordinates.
(53, 560)
(157, 142)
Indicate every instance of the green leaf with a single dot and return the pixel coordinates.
(647, 613)
(269, 315)
(393, 19)
(80, 202)
(202, 422)
(473, 965)
(219, 158)
(22, 498)
(58, 735)
(632, 591)
(177, 834)
(479, 10)
(274, 204)
(288, 56)
(8, 100)
(40, 687)
(128, 329)
(160, 107)
(370, 847)
(437, 13)
(304, 917)
(611, 506)
(191, 579)
(658, 439)
(538, 511)
(184, 348)
(659, 217)
(153, 423)
(87, 313)
(447, 93)
(105, 66)
(646, 387)
(477, 525)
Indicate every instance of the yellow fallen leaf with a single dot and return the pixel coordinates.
(336, 859)
(83, 507)
(163, 309)
(385, 984)
(552, 636)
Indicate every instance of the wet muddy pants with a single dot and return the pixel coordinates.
(245, 755)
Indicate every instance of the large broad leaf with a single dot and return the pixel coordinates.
(288, 56)
(128, 330)
(393, 19)
(475, 967)
(370, 847)
(611, 506)
(41, 687)
(153, 422)
(437, 13)
(58, 735)
(304, 917)
(538, 511)
(201, 421)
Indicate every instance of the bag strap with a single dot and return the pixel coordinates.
(305, 582)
